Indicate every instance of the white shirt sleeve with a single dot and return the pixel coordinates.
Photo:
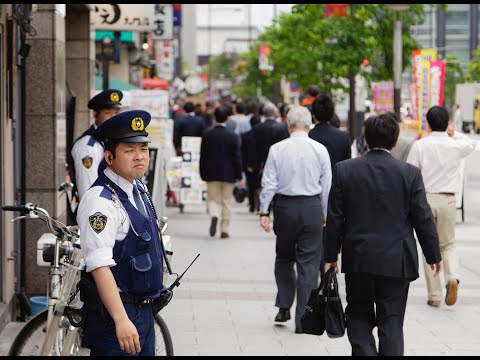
(269, 181)
(414, 156)
(98, 221)
(86, 159)
(325, 178)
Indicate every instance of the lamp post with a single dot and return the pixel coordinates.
(106, 42)
(397, 55)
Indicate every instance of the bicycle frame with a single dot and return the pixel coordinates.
(62, 277)
(60, 334)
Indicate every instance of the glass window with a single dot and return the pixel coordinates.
(457, 22)
(458, 48)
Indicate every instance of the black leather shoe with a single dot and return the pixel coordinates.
(299, 331)
(213, 226)
(224, 235)
(283, 315)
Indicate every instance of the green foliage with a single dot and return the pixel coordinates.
(309, 48)
(454, 75)
(473, 68)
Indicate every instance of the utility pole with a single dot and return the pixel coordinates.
(397, 55)
(352, 112)
(210, 50)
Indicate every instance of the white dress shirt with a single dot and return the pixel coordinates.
(86, 176)
(296, 166)
(97, 248)
(439, 157)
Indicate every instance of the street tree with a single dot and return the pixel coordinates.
(310, 48)
(473, 68)
(454, 74)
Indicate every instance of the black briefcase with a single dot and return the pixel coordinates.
(324, 311)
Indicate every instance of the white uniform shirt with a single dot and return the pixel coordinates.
(296, 166)
(86, 160)
(439, 157)
(97, 246)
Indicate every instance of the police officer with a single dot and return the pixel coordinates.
(87, 154)
(120, 240)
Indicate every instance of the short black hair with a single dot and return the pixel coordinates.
(381, 131)
(221, 113)
(240, 108)
(254, 120)
(313, 90)
(189, 107)
(111, 145)
(437, 118)
(335, 121)
(323, 108)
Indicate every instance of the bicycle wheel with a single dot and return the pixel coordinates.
(30, 339)
(163, 339)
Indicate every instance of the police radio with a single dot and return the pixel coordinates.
(167, 294)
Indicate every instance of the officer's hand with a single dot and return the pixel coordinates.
(265, 223)
(127, 336)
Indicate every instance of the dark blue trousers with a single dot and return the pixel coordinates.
(100, 334)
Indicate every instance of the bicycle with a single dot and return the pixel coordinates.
(55, 331)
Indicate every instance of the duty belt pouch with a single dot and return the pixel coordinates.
(89, 294)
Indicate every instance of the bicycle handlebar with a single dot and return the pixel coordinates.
(53, 225)
(21, 208)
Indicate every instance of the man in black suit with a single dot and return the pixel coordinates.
(191, 125)
(375, 203)
(248, 164)
(265, 134)
(220, 166)
(335, 140)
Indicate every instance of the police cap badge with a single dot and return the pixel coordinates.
(128, 126)
(107, 99)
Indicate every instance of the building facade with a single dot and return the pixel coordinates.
(454, 32)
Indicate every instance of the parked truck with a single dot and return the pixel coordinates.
(468, 97)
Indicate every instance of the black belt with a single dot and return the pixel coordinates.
(281, 196)
(130, 299)
(443, 193)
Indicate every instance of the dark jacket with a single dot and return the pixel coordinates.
(191, 125)
(248, 150)
(220, 157)
(336, 141)
(264, 136)
(374, 205)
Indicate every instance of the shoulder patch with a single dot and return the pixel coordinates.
(87, 161)
(98, 221)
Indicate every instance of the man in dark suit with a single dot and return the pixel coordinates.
(191, 125)
(335, 140)
(220, 166)
(264, 134)
(248, 165)
(375, 203)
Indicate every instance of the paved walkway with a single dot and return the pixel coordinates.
(225, 303)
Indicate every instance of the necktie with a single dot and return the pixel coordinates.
(138, 201)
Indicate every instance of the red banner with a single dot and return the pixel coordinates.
(336, 9)
(382, 94)
(437, 84)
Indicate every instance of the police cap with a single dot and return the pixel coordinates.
(128, 126)
(107, 99)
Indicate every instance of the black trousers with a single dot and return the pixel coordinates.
(253, 186)
(389, 295)
(298, 224)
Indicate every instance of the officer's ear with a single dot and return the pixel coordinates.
(108, 157)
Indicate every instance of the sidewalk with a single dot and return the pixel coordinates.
(225, 303)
